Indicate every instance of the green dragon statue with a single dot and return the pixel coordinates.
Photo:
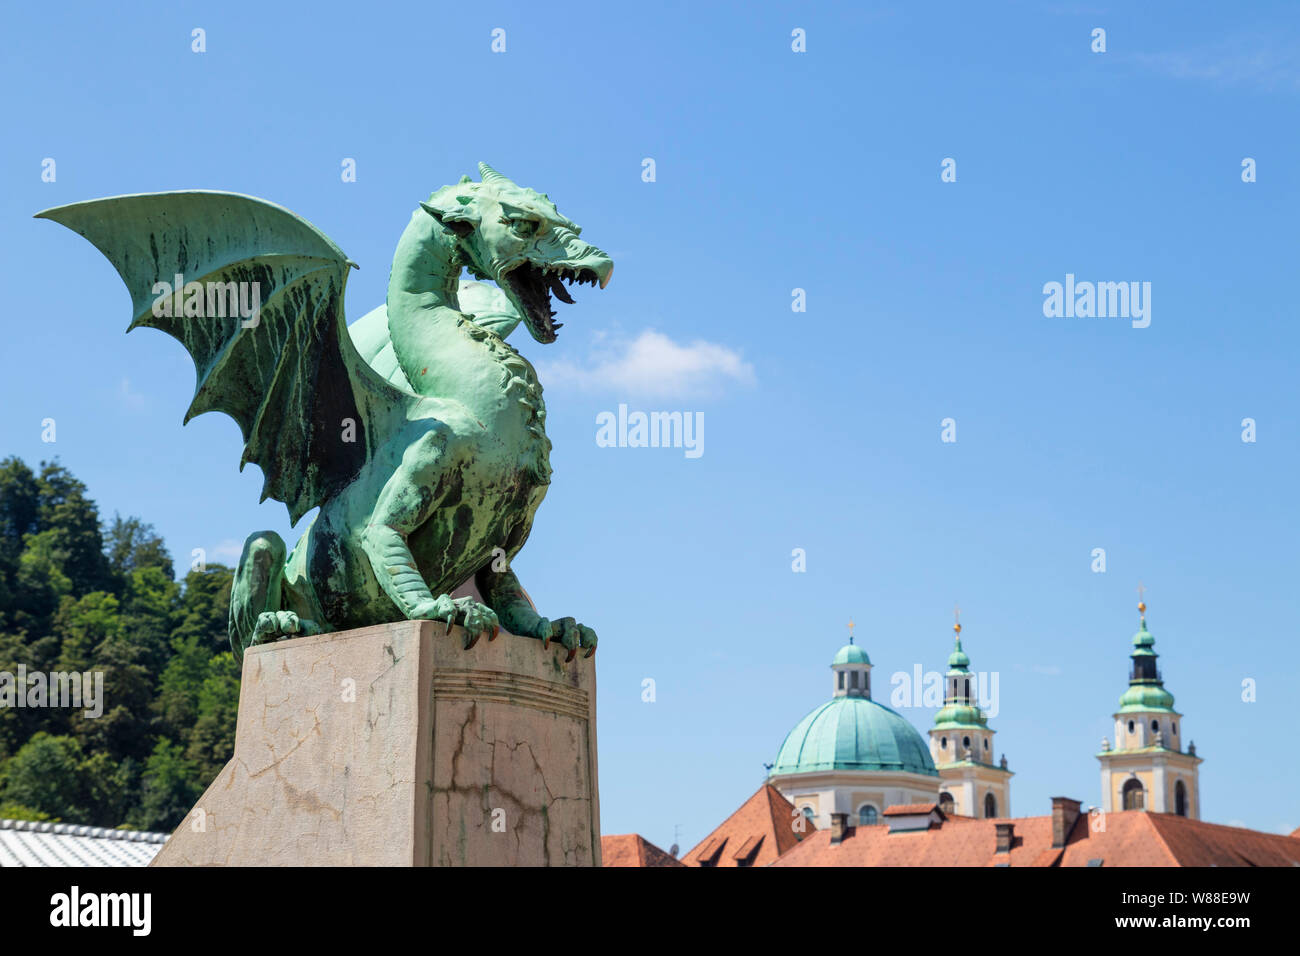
(418, 432)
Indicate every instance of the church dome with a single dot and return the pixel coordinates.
(853, 733)
(850, 654)
(954, 716)
(1145, 697)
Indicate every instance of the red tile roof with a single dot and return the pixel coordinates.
(909, 809)
(1129, 838)
(755, 835)
(632, 849)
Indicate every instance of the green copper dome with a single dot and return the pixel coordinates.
(851, 654)
(958, 660)
(853, 733)
(1145, 697)
(1146, 691)
(956, 716)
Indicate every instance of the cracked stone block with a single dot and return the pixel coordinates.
(395, 746)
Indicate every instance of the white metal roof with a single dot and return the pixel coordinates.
(26, 843)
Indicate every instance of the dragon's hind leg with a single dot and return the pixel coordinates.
(256, 607)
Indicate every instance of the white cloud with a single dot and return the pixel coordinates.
(129, 397)
(227, 552)
(652, 364)
(1258, 62)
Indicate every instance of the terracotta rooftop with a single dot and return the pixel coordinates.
(762, 829)
(909, 809)
(632, 849)
(1129, 838)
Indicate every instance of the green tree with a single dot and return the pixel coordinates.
(102, 601)
(212, 742)
(205, 607)
(177, 701)
(64, 509)
(130, 544)
(168, 789)
(150, 606)
(44, 776)
(85, 624)
(19, 503)
(39, 582)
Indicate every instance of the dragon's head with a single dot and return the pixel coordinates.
(518, 239)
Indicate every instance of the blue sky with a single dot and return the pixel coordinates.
(775, 170)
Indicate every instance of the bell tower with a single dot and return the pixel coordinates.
(961, 743)
(1147, 768)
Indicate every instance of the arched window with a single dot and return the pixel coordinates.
(867, 815)
(1180, 799)
(986, 743)
(965, 741)
(943, 743)
(1155, 726)
(853, 680)
(808, 814)
(990, 806)
(1131, 727)
(967, 683)
(1133, 795)
(945, 802)
(1174, 727)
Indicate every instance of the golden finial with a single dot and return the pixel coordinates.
(1142, 604)
(851, 625)
(956, 618)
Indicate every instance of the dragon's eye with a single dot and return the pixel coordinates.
(524, 228)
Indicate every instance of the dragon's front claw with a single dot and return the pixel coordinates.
(477, 619)
(588, 640)
(572, 635)
(274, 626)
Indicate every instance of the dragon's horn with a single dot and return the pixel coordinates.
(490, 175)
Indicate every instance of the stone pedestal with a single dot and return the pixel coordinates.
(395, 746)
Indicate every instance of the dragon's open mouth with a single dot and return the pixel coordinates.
(531, 286)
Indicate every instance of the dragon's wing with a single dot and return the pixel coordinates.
(292, 379)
